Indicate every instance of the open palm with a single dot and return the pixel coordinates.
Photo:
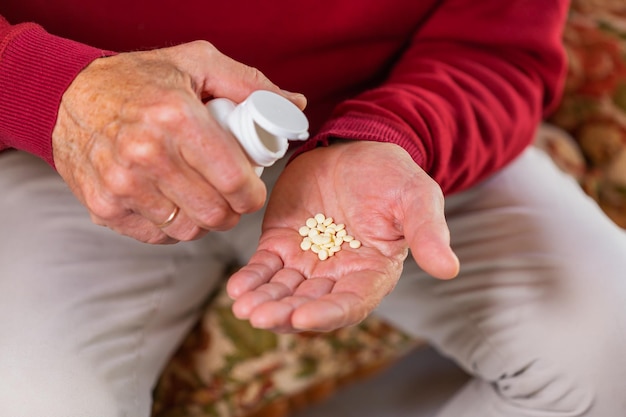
(384, 199)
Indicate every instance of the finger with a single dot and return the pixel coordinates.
(238, 185)
(219, 161)
(202, 204)
(331, 312)
(139, 228)
(272, 315)
(181, 227)
(170, 219)
(234, 80)
(161, 213)
(314, 288)
(244, 306)
(137, 195)
(353, 297)
(194, 162)
(429, 240)
(217, 75)
(261, 267)
(270, 308)
(137, 203)
(277, 315)
(127, 205)
(431, 250)
(304, 312)
(282, 285)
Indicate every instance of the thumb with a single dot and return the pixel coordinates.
(429, 241)
(218, 75)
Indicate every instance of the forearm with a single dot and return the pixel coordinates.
(467, 94)
(35, 70)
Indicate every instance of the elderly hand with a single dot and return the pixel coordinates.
(138, 148)
(385, 200)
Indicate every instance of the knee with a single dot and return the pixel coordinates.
(540, 387)
(580, 377)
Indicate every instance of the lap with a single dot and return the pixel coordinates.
(537, 310)
(89, 317)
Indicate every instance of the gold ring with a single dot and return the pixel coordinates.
(170, 218)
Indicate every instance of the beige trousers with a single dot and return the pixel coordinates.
(88, 318)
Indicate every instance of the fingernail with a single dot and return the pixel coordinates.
(298, 98)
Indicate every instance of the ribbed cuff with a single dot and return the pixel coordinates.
(363, 127)
(35, 70)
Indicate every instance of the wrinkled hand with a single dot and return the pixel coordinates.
(134, 141)
(384, 199)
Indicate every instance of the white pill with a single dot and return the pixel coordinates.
(321, 239)
(322, 255)
(355, 244)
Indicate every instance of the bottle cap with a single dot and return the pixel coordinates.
(277, 115)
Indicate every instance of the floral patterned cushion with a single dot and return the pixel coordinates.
(593, 108)
(225, 368)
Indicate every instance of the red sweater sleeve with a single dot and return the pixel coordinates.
(35, 70)
(466, 96)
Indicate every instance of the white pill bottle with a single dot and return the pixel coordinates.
(263, 123)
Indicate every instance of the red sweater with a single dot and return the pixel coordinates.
(460, 84)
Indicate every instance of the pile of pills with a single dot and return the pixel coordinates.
(322, 236)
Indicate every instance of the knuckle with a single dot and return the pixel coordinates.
(256, 76)
(232, 182)
(252, 203)
(191, 234)
(146, 235)
(131, 225)
(217, 217)
(207, 50)
(174, 112)
(117, 180)
(172, 108)
(244, 195)
(156, 238)
(102, 209)
(256, 205)
(140, 150)
(205, 46)
(96, 220)
(213, 217)
(202, 49)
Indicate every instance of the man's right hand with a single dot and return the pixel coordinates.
(134, 141)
